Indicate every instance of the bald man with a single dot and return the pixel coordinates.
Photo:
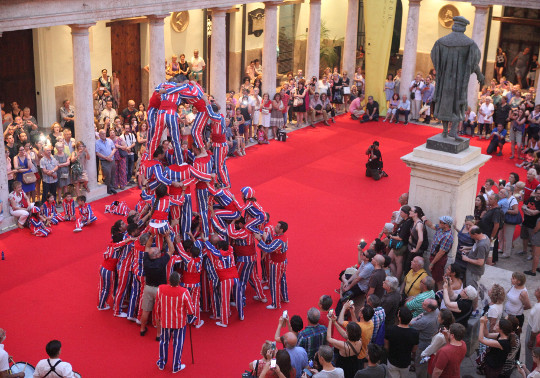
(427, 326)
(129, 112)
(299, 357)
(375, 285)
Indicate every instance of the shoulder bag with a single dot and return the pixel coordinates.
(29, 178)
(513, 219)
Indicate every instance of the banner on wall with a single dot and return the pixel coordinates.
(379, 24)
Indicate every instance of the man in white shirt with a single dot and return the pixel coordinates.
(109, 111)
(486, 110)
(4, 359)
(197, 67)
(53, 367)
(131, 142)
(470, 122)
(416, 87)
(256, 105)
(404, 107)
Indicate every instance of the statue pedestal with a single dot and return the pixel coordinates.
(448, 144)
(444, 183)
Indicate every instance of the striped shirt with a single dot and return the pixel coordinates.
(311, 338)
(173, 305)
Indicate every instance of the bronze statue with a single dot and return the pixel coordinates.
(455, 57)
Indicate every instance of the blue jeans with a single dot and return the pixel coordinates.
(130, 160)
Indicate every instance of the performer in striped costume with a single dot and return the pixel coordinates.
(184, 175)
(108, 270)
(220, 150)
(48, 210)
(174, 308)
(86, 215)
(228, 208)
(69, 208)
(137, 269)
(277, 249)
(254, 213)
(161, 204)
(36, 225)
(151, 120)
(223, 259)
(154, 174)
(209, 283)
(123, 268)
(246, 260)
(191, 274)
(118, 208)
(203, 164)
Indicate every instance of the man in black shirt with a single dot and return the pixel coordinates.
(400, 341)
(491, 223)
(502, 111)
(530, 228)
(374, 165)
(155, 273)
(129, 112)
(372, 111)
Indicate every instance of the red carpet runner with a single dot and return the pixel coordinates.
(315, 181)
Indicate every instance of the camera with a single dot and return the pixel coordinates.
(330, 313)
(285, 314)
(502, 182)
(362, 244)
(272, 363)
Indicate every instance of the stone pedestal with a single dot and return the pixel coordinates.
(314, 40)
(408, 66)
(448, 144)
(444, 183)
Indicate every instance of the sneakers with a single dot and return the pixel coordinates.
(182, 367)
(257, 298)
(271, 307)
(529, 258)
(77, 230)
(252, 140)
(504, 256)
(384, 120)
(521, 253)
(221, 324)
(107, 307)
(131, 319)
(530, 273)
(201, 323)
(121, 315)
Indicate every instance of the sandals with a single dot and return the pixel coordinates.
(144, 332)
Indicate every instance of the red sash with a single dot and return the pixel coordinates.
(160, 215)
(177, 191)
(278, 257)
(154, 101)
(201, 185)
(227, 273)
(245, 250)
(168, 105)
(191, 278)
(218, 138)
(110, 264)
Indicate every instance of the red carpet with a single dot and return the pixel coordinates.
(315, 181)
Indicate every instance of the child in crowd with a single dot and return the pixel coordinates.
(86, 215)
(530, 159)
(261, 137)
(36, 222)
(238, 132)
(69, 207)
(48, 211)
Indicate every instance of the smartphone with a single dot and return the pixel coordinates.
(330, 313)
(351, 303)
(308, 373)
(482, 190)
(273, 345)
(285, 314)
(272, 363)
(519, 364)
(363, 244)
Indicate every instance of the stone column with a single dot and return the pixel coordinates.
(156, 53)
(269, 54)
(479, 37)
(314, 40)
(351, 33)
(218, 84)
(4, 191)
(83, 101)
(408, 66)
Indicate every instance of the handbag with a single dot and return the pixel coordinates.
(123, 153)
(76, 170)
(281, 136)
(513, 219)
(413, 95)
(265, 111)
(395, 244)
(29, 178)
(251, 374)
(346, 90)
(298, 101)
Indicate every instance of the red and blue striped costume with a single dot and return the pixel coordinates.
(137, 283)
(69, 209)
(228, 279)
(118, 208)
(220, 150)
(243, 244)
(168, 113)
(48, 209)
(123, 269)
(228, 207)
(154, 176)
(107, 271)
(36, 225)
(255, 216)
(86, 216)
(270, 233)
(209, 282)
(151, 114)
(277, 248)
(159, 222)
(187, 175)
(191, 279)
(206, 165)
(174, 309)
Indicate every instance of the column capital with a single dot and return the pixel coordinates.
(219, 11)
(314, 2)
(81, 29)
(414, 3)
(480, 7)
(157, 18)
(273, 3)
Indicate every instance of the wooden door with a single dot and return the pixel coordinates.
(17, 79)
(126, 60)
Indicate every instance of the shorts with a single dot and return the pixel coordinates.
(520, 71)
(515, 136)
(401, 251)
(241, 129)
(149, 297)
(527, 234)
(531, 75)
